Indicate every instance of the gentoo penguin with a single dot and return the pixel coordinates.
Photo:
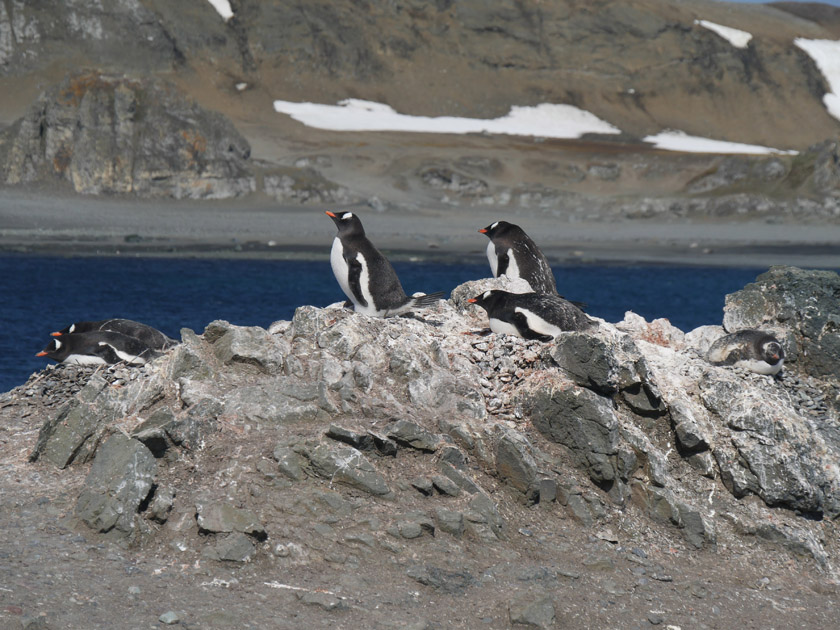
(97, 348)
(540, 316)
(151, 337)
(753, 350)
(512, 253)
(365, 275)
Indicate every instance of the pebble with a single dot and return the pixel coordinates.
(169, 618)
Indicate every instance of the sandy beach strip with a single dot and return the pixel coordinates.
(38, 223)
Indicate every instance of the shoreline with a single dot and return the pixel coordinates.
(50, 223)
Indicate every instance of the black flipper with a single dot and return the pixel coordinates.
(355, 270)
(503, 260)
(521, 322)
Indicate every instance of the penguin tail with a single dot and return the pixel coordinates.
(420, 301)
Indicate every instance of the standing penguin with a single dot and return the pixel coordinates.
(365, 275)
(152, 337)
(512, 253)
(540, 316)
(753, 350)
(97, 348)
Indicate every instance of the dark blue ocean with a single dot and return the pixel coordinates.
(40, 295)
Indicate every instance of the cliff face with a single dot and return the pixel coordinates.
(115, 135)
(644, 65)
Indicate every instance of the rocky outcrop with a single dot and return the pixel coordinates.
(649, 65)
(433, 430)
(108, 134)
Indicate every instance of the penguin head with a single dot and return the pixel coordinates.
(53, 347)
(488, 299)
(65, 331)
(347, 223)
(499, 228)
(772, 351)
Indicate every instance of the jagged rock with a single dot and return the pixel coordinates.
(289, 462)
(515, 464)
(535, 612)
(450, 522)
(411, 434)
(62, 438)
(235, 547)
(582, 421)
(217, 517)
(608, 364)
(359, 441)
(161, 505)
(248, 345)
(450, 582)
(120, 479)
(804, 306)
(109, 134)
(73, 435)
(305, 185)
(343, 464)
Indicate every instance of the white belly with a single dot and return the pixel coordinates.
(503, 328)
(340, 269)
(493, 259)
(83, 359)
(512, 268)
(760, 367)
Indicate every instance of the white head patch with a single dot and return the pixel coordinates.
(347, 215)
(486, 294)
(493, 227)
(72, 328)
(57, 344)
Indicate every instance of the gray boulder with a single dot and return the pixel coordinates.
(120, 479)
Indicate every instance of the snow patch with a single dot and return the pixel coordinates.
(545, 120)
(679, 141)
(826, 54)
(736, 37)
(223, 8)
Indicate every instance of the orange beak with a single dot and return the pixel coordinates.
(41, 354)
(483, 231)
(55, 334)
(330, 214)
(472, 300)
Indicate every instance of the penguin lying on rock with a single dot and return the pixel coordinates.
(366, 276)
(512, 253)
(144, 333)
(99, 347)
(753, 350)
(540, 316)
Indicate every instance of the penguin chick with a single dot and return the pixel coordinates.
(753, 350)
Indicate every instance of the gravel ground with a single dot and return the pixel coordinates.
(331, 567)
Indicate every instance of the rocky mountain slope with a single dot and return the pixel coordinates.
(401, 473)
(644, 66)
